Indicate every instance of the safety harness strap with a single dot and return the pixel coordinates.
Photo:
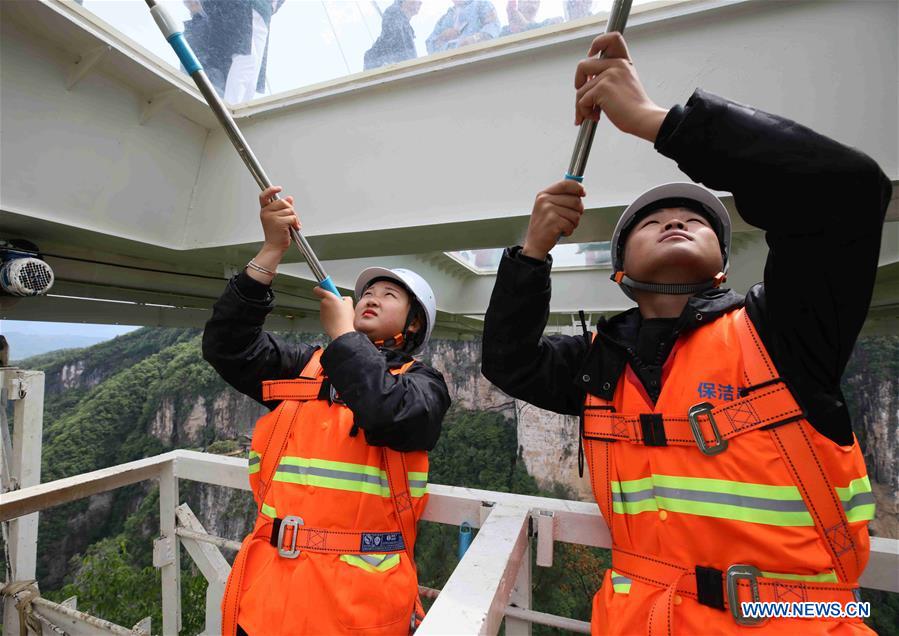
(301, 389)
(327, 541)
(795, 446)
(274, 448)
(768, 405)
(600, 478)
(739, 583)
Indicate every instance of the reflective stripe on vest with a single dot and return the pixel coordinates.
(253, 462)
(620, 583)
(824, 577)
(418, 483)
(344, 476)
(739, 501)
(269, 511)
(857, 499)
(372, 562)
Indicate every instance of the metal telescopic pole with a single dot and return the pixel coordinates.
(172, 30)
(617, 21)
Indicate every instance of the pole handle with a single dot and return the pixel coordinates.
(328, 285)
(617, 21)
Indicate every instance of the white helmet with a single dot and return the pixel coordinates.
(417, 287)
(671, 195)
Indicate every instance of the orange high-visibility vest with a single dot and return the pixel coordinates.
(722, 493)
(332, 548)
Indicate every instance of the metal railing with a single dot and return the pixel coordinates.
(494, 573)
(491, 584)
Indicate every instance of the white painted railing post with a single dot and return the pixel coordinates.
(166, 551)
(521, 597)
(26, 389)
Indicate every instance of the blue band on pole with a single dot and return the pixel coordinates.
(465, 537)
(328, 285)
(185, 53)
(571, 177)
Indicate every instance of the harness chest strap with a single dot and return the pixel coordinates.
(764, 405)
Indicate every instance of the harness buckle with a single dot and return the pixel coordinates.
(735, 574)
(295, 523)
(335, 397)
(705, 408)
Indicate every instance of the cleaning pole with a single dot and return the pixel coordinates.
(617, 20)
(172, 30)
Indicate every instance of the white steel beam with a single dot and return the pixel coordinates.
(472, 151)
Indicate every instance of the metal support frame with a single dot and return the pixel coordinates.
(520, 597)
(170, 569)
(87, 61)
(23, 466)
(544, 520)
(475, 597)
(72, 622)
(474, 601)
(155, 103)
(211, 563)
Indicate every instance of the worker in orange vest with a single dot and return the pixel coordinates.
(718, 443)
(339, 467)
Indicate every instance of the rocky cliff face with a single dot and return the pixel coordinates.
(871, 387)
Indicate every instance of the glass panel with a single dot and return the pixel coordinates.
(259, 47)
(565, 256)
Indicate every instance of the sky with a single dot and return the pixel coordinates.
(311, 40)
(44, 329)
(26, 338)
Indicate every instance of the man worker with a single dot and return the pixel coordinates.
(718, 442)
(231, 39)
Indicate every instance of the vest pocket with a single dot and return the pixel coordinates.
(376, 590)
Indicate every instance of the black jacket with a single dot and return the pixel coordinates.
(822, 206)
(403, 412)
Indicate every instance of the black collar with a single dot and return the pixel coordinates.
(616, 338)
(395, 358)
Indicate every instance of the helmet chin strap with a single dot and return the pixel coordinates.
(669, 288)
(400, 340)
(396, 341)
